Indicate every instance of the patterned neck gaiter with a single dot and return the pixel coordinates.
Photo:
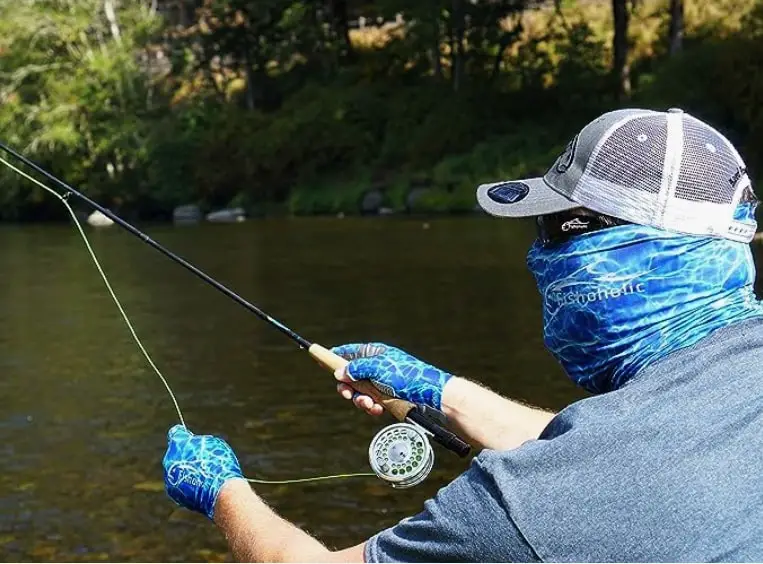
(617, 300)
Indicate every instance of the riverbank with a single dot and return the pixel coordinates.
(449, 186)
(381, 131)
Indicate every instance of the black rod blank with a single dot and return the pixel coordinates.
(302, 342)
(440, 433)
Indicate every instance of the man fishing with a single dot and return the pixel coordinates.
(646, 276)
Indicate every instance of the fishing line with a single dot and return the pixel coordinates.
(401, 454)
(433, 422)
(64, 200)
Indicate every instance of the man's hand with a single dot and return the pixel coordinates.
(195, 469)
(482, 417)
(394, 372)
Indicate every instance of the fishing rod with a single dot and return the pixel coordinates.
(399, 454)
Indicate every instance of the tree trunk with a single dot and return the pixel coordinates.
(111, 16)
(436, 62)
(250, 80)
(451, 43)
(620, 47)
(458, 40)
(676, 32)
(342, 27)
(507, 39)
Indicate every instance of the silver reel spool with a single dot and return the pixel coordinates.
(401, 455)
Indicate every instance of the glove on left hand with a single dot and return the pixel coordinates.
(195, 469)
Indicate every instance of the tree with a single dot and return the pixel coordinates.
(72, 88)
(240, 36)
(676, 30)
(474, 34)
(341, 26)
(621, 66)
(457, 49)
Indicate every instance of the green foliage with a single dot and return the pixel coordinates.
(582, 76)
(265, 104)
(720, 80)
(330, 196)
(74, 95)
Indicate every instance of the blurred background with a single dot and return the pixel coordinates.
(277, 106)
(320, 158)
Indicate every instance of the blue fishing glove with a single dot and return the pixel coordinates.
(195, 469)
(395, 372)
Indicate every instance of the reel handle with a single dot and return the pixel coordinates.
(402, 410)
(397, 407)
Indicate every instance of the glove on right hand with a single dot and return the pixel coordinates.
(395, 372)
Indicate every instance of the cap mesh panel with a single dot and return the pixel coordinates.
(707, 167)
(633, 156)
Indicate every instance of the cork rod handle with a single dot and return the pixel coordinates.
(331, 361)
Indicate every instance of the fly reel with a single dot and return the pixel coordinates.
(401, 455)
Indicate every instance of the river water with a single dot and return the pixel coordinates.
(83, 419)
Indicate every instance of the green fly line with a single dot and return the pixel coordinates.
(64, 200)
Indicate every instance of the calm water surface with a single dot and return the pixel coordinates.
(83, 418)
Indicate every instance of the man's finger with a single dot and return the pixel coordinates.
(340, 374)
(345, 391)
(348, 393)
(348, 351)
(363, 402)
(351, 351)
(178, 432)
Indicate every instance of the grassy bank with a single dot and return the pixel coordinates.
(447, 187)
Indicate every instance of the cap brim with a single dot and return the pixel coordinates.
(522, 198)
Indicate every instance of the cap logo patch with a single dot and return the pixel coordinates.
(564, 162)
(575, 224)
(508, 192)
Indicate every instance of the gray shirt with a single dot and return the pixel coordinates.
(667, 468)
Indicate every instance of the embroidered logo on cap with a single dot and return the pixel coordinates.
(508, 192)
(564, 162)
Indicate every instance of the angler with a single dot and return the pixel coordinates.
(662, 462)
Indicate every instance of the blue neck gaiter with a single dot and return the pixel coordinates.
(619, 299)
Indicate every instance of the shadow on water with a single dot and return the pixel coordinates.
(83, 423)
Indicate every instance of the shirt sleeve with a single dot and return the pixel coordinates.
(466, 521)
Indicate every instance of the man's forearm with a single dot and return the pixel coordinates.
(488, 419)
(255, 533)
